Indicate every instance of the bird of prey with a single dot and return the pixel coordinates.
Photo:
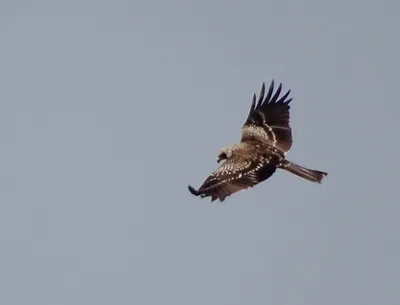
(265, 140)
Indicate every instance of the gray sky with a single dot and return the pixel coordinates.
(110, 108)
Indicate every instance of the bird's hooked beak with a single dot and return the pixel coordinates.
(219, 159)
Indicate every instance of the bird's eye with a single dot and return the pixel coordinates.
(223, 156)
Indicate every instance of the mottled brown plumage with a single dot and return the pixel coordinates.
(266, 138)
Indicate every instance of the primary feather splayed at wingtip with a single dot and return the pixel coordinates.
(270, 98)
(264, 100)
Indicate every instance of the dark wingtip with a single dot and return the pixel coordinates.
(193, 190)
(270, 90)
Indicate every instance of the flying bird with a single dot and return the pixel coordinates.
(266, 138)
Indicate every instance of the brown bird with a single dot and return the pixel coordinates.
(266, 138)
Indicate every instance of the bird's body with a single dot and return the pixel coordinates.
(266, 138)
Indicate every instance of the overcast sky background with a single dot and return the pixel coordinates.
(109, 109)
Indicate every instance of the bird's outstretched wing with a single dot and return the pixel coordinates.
(268, 119)
(234, 175)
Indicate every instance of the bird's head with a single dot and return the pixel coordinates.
(224, 153)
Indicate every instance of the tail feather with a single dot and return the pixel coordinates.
(306, 173)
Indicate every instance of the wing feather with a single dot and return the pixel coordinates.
(268, 121)
(261, 97)
(235, 175)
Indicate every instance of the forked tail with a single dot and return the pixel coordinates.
(306, 173)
